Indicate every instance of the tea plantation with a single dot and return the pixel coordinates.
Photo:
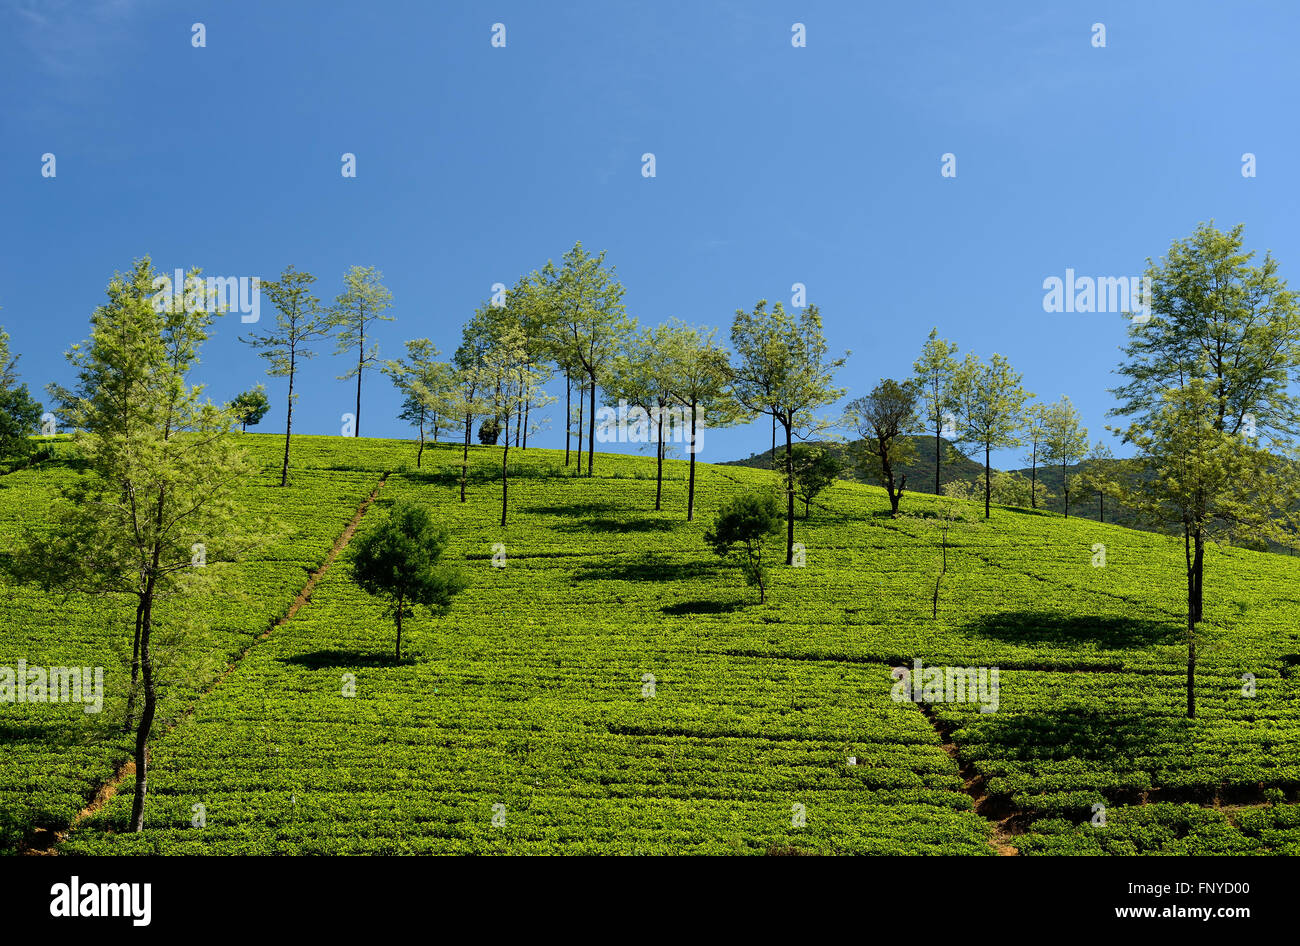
(607, 684)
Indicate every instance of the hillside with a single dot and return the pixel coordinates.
(615, 687)
(920, 473)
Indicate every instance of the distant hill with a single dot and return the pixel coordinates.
(920, 474)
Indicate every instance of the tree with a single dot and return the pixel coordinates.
(590, 324)
(882, 418)
(1034, 433)
(1097, 476)
(361, 304)
(489, 432)
(20, 415)
(424, 383)
(639, 377)
(741, 526)
(507, 373)
(698, 377)
(160, 477)
(936, 370)
(401, 560)
(990, 402)
(1065, 440)
(783, 370)
(1210, 397)
(250, 407)
(298, 322)
(815, 468)
(466, 399)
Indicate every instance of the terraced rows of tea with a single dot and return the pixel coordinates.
(615, 687)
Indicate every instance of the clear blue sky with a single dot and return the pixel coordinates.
(775, 165)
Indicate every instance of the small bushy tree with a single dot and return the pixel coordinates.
(400, 559)
(743, 524)
(250, 407)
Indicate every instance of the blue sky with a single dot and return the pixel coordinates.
(775, 165)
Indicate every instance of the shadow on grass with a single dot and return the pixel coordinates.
(347, 659)
(612, 524)
(702, 607)
(1044, 627)
(574, 510)
(645, 568)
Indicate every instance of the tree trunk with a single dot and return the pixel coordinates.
(1065, 479)
(591, 432)
(288, 424)
(659, 474)
(568, 416)
(988, 481)
(147, 715)
(582, 389)
(1033, 479)
(1191, 669)
(135, 669)
(528, 406)
(690, 489)
(505, 479)
(774, 441)
(789, 496)
(1101, 506)
(420, 455)
(399, 628)
(519, 421)
(464, 457)
(361, 354)
(938, 457)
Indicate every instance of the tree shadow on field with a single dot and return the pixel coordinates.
(1044, 627)
(645, 568)
(612, 524)
(574, 510)
(346, 659)
(702, 607)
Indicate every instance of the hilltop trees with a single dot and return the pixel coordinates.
(882, 418)
(1209, 392)
(250, 407)
(990, 401)
(1035, 433)
(298, 322)
(815, 468)
(506, 372)
(20, 415)
(362, 303)
(161, 473)
(741, 526)
(587, 322)
(639, 376)
(400, 560)
(424, 383)
(783, 370)
(699, 378)
(935, 374)
(1065, 440)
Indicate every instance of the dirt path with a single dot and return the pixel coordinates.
(45, 841)
(1005, 819)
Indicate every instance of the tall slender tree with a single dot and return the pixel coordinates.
(1065, 440)
(299, 322)
(425, 384)
(359, 306)
(783, 369)
(935, 372)
(161, 476)
(697, 374)
(990, 403)
(1211, 400)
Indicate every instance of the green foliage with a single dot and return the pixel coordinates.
(815, 468)
(741, 526)
(990, 407)
(881, 419)
(401, 560)
(20, 414)
(250, 407)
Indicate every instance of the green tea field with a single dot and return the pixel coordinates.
(607, 685)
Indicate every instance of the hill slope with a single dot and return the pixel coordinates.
(614, 688)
